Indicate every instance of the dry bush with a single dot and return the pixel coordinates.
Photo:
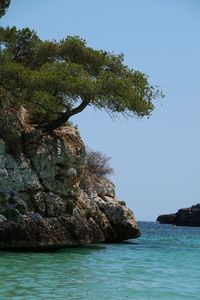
(97, 168)
(98, 164)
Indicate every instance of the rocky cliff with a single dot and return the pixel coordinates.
(43, 203)
(184, 217)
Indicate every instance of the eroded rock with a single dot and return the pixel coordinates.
(42, 204)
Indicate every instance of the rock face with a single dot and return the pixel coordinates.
(42, 202)
(184, 217)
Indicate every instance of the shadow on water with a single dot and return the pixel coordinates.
(54, 251)
(86, 249)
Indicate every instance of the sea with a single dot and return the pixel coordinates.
(164, 263)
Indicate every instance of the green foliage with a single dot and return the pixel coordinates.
(3, 200)
(9, 124)
(56, 80)
(3, 7)
(70, 205)
(21, 208)
(123, 203)
(88, 213)
(11, 214)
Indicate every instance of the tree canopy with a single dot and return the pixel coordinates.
(58, 79)
(4, 4)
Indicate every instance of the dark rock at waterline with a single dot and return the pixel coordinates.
(184, 217)
(166, 219)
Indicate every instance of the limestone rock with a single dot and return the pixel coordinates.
(58, 159)
(42, 205)
(16, 174)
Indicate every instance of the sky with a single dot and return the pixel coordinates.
(157, 160)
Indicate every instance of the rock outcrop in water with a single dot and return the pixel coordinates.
(43, 203)
(184, 217)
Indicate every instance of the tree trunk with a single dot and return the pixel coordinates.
(56, 123)
(65, 117)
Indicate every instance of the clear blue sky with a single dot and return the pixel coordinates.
(156, 160)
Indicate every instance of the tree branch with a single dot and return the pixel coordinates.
(65, 117)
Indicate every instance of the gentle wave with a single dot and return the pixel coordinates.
(162, 264)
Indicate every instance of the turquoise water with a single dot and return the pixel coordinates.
(163, 264)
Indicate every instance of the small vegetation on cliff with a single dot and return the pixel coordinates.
(97, 168)
(98, 164)
(58, 79)
(121, 202)
(70, 205)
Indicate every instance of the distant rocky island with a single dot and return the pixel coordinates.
(183, 217)
(45, 201)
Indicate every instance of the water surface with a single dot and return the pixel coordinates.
(162, 264)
